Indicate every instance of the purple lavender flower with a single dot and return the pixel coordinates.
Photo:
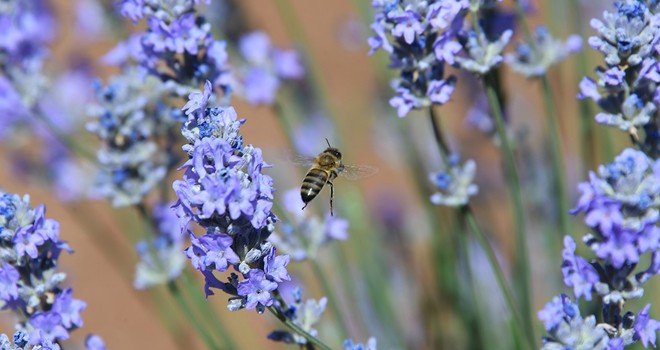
(275, 266)
(29, 280)
(48, 327)
(578, 273)
(131, 119)
(568, 329)
(224, 191)
(455, 185)
(421, 37)
(257, 289)
(627, 39)
(350, 345)
(94, 342)
(69, 309)
(9, 277)
(645, 327)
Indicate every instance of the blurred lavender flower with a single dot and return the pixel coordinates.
(225, 192)
(304, 314)
(31, 102)
(20, 342)
(94, 342)
(421, 37)
(535, 60)
(178, 44)
(305, 234)
(627, 38)
(132, 120)
(482, 54)
(455, 185)
(350, 345)
(161, 260)
(29, 280)
(264, 69)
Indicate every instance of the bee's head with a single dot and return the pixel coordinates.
(335, 152)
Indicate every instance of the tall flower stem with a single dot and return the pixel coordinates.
(515, 195)
(519, 322)
(185, 308)
(192, 287)
(332, 298)
(468, 217)
(549, 102)
(557, 158)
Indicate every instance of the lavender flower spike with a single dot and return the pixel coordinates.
(29, 280)
(224, 191)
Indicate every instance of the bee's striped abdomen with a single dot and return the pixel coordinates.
(312, 184)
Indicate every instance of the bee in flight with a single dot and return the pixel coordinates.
(326, 167)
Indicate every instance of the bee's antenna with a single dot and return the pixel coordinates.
(326, 140)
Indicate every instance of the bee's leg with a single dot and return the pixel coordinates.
(332, 196)
(305, 206)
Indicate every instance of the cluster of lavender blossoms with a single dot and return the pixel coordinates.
(29, 279)
(455, 184)
(626, 88)
(621, 203)
(132, 121)
(225, 192)
(421, 37)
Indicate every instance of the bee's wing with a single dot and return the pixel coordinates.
(354, 172)
(301, 160)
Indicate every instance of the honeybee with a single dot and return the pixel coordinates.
(325, 168)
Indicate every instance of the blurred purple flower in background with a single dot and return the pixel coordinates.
(535, 60)
(259, 78)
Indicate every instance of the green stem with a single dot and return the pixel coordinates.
(185, 308)
(332, 298)
(519, 322)
(199, 299)
(191, 285)
(295, 328)
(558, 166)
(515, 195)
(468, 216)
(439, 138)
